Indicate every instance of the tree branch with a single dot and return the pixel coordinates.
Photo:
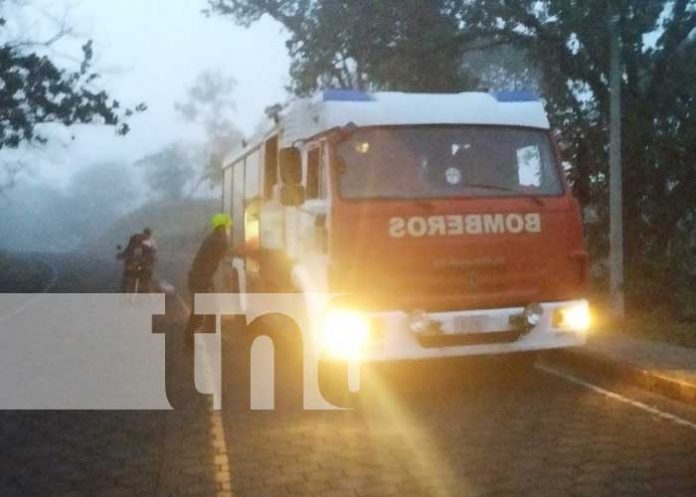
(676, 33)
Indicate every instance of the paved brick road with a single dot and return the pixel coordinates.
(537, 435)
(532, 435)
(441, 429)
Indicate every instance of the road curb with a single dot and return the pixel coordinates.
(626, 372)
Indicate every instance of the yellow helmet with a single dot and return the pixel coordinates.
(220, 220)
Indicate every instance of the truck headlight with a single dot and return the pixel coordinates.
(343, 333)
(575, 317)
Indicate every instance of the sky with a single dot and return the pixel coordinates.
(151, 51)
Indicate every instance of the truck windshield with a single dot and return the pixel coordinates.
(446, 161)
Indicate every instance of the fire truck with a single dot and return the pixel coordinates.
(443, 223)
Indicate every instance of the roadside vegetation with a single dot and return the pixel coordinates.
(654, 323)
(661, 325)
(22, 274)
(178, 226)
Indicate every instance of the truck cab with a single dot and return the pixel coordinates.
(442, 222)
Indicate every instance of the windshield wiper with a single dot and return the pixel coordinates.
(491, 187)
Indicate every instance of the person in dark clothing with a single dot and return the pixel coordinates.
(214, 248)
(138, 258)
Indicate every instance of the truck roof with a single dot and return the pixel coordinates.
(312, 116)
(335, 108)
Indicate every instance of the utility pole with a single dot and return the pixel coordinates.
(616, 259)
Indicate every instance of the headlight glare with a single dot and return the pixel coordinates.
(576, 317)
(344, 333)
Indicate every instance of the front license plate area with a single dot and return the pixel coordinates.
(474, 323)
(467, 324)
(471, 329)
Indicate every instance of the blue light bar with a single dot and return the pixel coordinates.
(346, 96)
(515, 96)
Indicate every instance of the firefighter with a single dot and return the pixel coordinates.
(138, 262)
(214, 248)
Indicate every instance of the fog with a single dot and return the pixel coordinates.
(71, 192)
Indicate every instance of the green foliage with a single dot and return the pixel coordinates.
(568, 42)
(501, 67)
(391, 44)
(35, 91)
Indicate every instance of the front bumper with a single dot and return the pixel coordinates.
(392, 339)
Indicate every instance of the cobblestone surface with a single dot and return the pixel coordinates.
(80, 453)
(534, 435)
(429, 430)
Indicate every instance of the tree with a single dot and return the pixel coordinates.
(392, 44)
(209, 102)
(35, 91)
(568, 41)
(179, 169)
(501, 67)
(169, 171)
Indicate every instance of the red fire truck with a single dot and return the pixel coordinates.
(443, 222)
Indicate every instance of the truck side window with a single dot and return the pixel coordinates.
(314, 173)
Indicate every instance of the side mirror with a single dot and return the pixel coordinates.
(290, 165)
(292, 195)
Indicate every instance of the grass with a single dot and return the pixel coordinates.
(654, 324)
(660, 326)
(22, 274)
